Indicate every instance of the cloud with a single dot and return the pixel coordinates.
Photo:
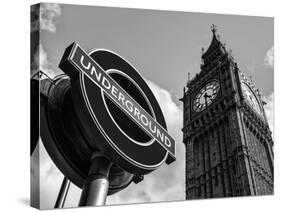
(45, 178)
(269, 57)
(34, 17)
(168, 182)
(40, 61)
(34, 178)
(46, 181)
(50, 180)
(269, 110)
(43, 17)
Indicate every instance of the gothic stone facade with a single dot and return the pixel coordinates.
(229, 149)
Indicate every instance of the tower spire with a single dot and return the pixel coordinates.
(215, 46)
(205, 121)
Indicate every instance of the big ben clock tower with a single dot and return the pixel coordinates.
(229, 149)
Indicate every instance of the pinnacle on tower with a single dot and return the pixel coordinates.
(214, 29)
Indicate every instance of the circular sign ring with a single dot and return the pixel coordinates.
(102, 130)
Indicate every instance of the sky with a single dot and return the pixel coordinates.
(163, 46)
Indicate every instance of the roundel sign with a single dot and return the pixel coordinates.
(116, 110)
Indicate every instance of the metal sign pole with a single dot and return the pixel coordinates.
(62, 193)
(95, 189)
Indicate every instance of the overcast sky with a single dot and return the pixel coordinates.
(164, 46)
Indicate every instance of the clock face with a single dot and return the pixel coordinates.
(206, 96)
(251, 98)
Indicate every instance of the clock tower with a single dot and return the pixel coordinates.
(229, 148)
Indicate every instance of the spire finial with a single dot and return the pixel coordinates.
(214, 29)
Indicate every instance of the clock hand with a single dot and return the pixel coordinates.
(206, 96)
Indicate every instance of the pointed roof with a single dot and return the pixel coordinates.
(215, 43)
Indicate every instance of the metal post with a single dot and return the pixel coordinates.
(62, 193)
(95, 189)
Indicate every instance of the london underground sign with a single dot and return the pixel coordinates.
(117, 111)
